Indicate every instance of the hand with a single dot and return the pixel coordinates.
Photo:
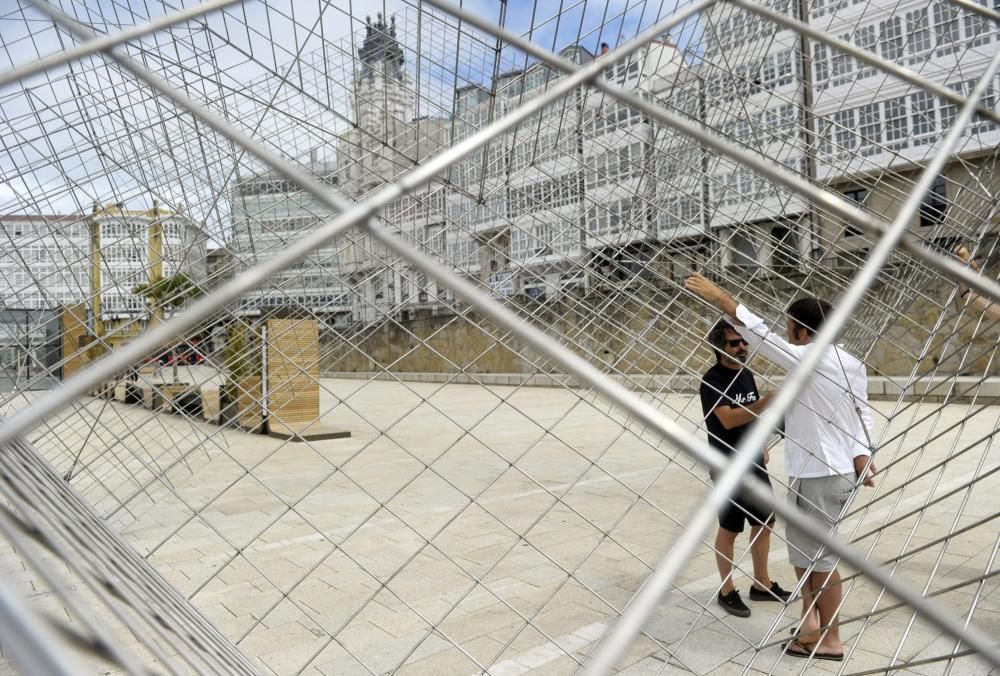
(704, 287)
(767, 455)
(963, 255)
(859, 467)
(870, 477)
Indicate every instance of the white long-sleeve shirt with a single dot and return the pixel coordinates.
(830, 423)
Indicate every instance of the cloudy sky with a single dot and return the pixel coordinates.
(60, 156)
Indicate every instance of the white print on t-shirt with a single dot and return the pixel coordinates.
(745, 397)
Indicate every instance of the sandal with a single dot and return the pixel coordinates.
(795, 649)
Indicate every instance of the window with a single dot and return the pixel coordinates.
(435, 240)
(859, 196)
(982, 124)
(821, 70)
(843, 64)
(895, 121)
(824, 136)
(946, 27)
(977, 27)
(918, 31)
(870, 128)
(948, 109)
(935, 203)
(592, 219)
(785, 257)
(868, 38)
(744, 253)
(785, 67)
(892, 38)
(844, 130)
(924, 114)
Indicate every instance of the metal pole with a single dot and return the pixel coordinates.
(865, 56)
(350, 214)
(836, 204)
(467, 292)
(102, 43)
(29, 641)
(611, 650)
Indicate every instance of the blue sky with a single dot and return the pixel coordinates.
(612, 21)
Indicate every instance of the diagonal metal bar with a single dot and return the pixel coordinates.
(105, 42)
(433, 270)
(797, 379)
(350, 216)
(823, 199)
(28, 638)
(866, 56)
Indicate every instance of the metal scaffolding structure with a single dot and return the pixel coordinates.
(462, 234)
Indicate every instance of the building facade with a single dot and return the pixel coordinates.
(589, 195)
(267, 213)
(49, 260)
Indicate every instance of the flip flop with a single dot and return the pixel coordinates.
(805, 652)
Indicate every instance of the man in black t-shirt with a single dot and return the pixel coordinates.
(730, 403)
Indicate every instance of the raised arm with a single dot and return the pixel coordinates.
(712, 292)
(753, 329)
(975, 301)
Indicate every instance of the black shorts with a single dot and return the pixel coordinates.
(739, 510)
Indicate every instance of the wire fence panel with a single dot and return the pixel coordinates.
(354, 337)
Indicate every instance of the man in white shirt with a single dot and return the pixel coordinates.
(827, 432)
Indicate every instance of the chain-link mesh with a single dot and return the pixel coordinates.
(376, 353)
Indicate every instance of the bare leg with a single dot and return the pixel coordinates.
(820, 624)
(725, 542)
(828, 602)
(760, 547)
(809, 628)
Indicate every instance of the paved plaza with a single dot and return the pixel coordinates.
(464, 526)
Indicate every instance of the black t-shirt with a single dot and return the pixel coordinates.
(725, 386)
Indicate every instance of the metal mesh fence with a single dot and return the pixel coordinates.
(376, 350)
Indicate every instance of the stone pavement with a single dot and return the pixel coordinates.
(464, 526)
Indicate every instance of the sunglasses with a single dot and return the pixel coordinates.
(736, 342)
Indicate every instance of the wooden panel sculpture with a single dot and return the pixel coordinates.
(292, 372)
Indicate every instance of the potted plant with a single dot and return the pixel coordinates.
(168, 294)
(242, 394)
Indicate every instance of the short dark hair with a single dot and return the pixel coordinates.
(717, 337)
(809, 313)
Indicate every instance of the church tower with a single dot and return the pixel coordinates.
(369, 154)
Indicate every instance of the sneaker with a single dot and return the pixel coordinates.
(733, 604)
(776, 593)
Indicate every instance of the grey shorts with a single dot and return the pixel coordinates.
(823, 498)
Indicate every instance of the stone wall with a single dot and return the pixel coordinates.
(643, 336)
(629, 336)
(961, 344)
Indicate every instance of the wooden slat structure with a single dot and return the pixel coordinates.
(292, 371)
